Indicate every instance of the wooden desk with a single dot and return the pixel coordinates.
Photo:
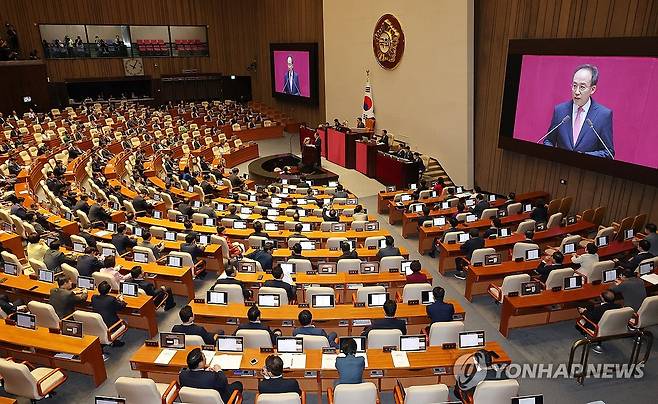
(325, 254)
(430, 367)
(447, 251)
(139, 313)
(478, 279)
(13, 242)
(383, 198)
(339, 319)
(40, 347)
(240, 155)
(180, 280)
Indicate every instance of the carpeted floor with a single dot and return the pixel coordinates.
(538, 345)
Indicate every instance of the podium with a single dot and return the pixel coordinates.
(341, 147)
(310, 156)
(366, 157)
(392, 170)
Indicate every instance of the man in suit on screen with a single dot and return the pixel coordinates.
(291, 79)
(576, 123)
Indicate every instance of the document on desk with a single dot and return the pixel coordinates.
(165, 356)
(293, 361)
(103, 233)
(361, 323)
(329, 361)
(400, 359)
(651, 278)
(208, 355)
(227, 362)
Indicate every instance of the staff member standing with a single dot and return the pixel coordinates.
(318, 145)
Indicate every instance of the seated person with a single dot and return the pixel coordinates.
(594, 313)
(9, 307)
(263, 256)
(63, 298)
(121, 241)
(199, 376)
(493, 230)
(556, 261)
(631, 288)
(89, 263)
(108, 307)
(258, 230)
(349, 366)
(305, 318)
(296, 252)
(190, 246)
(298, 231)
(475, 242)
(480, 205)
(440, 311)
(110, 266)
(389, 251)
(587, 260)
(189, 328)
(161, 294)
(389, 322)
(253, 314)
(424, 217)
(232, 213)
(54, 258)
(348, 253)
(416, 276)
(278, 282)
(340, 192)
(484, 363)
(36, 248)
(330, 215)
(652, 237)
(540, 212)
(643, 253)
(273, 380)
(231, 272)
(146, 243)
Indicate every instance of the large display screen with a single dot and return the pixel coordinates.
(596, 111)
(294, 72)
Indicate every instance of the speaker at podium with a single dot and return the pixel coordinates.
(310, 155)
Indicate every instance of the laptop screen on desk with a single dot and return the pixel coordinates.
(646, 268)
(109, 400)
(471, 339)
(129, 289)
(573, 282)
(269, 300)
(360, 343)
(532, 254)
(307, 245)
(26, 320)
(213, 297)
(290, 345)
(230, 344)
(602, 241)
(377, 299)
(78, 247)
(569, 248)
(11, 269)
(271, 226)
(426, 297)
(140, 257)
(439, 221)
(174, 261)
(405, 267)
(238, 224)
(536, 399)
(323, 301)
(412, 342)
(247, 267)
(86, 282)
(170, 235)
(609, 275)
(46, 276)
(172, 340)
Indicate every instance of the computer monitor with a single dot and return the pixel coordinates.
(405, 198)
(360, 343)
(418, 208)
(174, 261)
(572, 219)
(609, 275)
(307, 245)
(459, 190)
(245, 210)
(527, 207)
(269, 300)
(462, 238)
(138, 231)
(322, 301)
(445, 205)
(170, 236)
(470, 202)
(190, 188)
(338, 227)
(439, 221)
(248, 267)
(536, 399)
(252, 198)
(532, 254)
(471, 339)
(26, 320)
(72, 328)
(109, 400)
(306, 227)
(10, 269)
(86, 282)
(327, 268)
(139, 256)
(413, 343)
(629, 234)
(471, 218)
(405, 267)
(271, 226)
(301, 212)
(602, 241)
(390, 188)
(381, 243)
(239, 224)
(107, 252)
(301, 201)
(569, 248)
(530, 288)
(272, 212)
(646, 268)
(492, 198)
(504, 232)
(9, 227)
(426, 297)
(573, 282)
(219, 206)
(351, 243)
(129, 289)
(290, 345)
(377, 299)
(540, 227)
(369, 267)
(78, 247)
(204, 239)
(371, 226)
(229, 343)
(209, 221)
(352, 201)
(214, 297)
(46, 276)
(492, 259)
(288, 267)
(413, 187)
(332, 184)
(111, 226)
(157, 197)
(196, 204)
(172, 340)
(157, 214)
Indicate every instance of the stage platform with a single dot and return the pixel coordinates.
(262, 170)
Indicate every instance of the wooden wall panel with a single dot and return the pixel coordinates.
(497, 21)
(239, 31)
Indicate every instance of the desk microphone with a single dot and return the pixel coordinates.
(591, 125)
(566, 118)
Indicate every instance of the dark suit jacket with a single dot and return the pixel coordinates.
(108, 307)
(122, 243)
(202, 379)
(386, 324)
(256, 326)
(193, 329)
(387, 252)
(194, 250)
(539, 214)
(139, 203)
(349, 255)
(544, 270)
(471, 245)
(82, 205)
(88, 264)
(232, 281)
(350, 369)
(479, 208)
(291, 87)
(634, 262)
(54, 260)
(595, 313)
(97, 213)
(309, 331)
(440, 312)
(587, 141)
(18, 210)
(277, 283)
(490, 232)
(279, 385)
(64, 301)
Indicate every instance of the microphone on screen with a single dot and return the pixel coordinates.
(591, 125)
(566, 118)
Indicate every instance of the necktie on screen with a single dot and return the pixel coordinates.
(577, 124)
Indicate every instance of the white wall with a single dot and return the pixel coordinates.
(428, 99)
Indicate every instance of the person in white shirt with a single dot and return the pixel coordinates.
(588, 259)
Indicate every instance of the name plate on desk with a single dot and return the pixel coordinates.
(449, 345)
(249, 303)
(266, 350)
(303, 305)
(231, 321)
(389, 348)
(413, 302)
(328, 350)
(286, 323)
(440, 371)
(458, 317)
(311, 272)
(310, 374)
(452, 242)
(359, 304)
(199, 301)
(353, 271)
(244, 373)
(53, 330)
(154, 344)
(513, 294)
(377, 373)
(372, 247)
(556, 288)
(393, 270)
(344, 323)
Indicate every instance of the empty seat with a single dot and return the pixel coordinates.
(362, 393)
(140, 391)
(445, 332)
(255, 339)
(25, 380)
(377, 339)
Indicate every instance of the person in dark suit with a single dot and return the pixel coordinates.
(146, 243)
(389, 322)
(189, 328)
(296, 252)
(631, 288)
(480, 205)
(305, 318)
(54, 258)
(317, 141)
(643, 247)
(347, 252)
(231, 272)
(273, 380)
(349, 366)
(140, 203)
(493, 230)
(199, 376)
(263, 256)
(540, 212)
(82, 204)
(291, 79)
(89, 263)
(595, 312)
(9, 307)
(121, 241)
(330, 215)
(97, 213)
(190, 246)
(425, 216)
(63, 299)
(159, 294)
(18, 209)
(234, 178)
(576, 123)
(546, 266)
(253, 314)
(108, 307)
(389, 251)
(440, 311)
(278, 282)
(475, 242)
(340, 192)
(258, 230)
